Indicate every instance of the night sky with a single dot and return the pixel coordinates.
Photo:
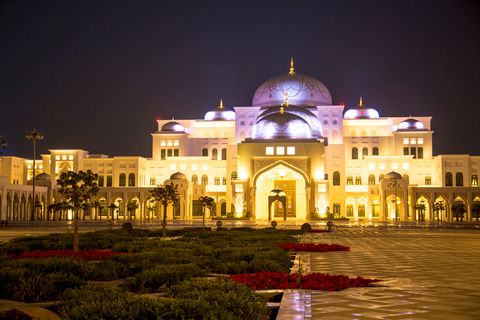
(95, 75)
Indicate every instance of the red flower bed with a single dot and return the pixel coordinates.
(89, 255)
(318, 230)
(314, 281)
(310, 247)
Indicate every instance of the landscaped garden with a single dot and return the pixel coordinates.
(194, 275)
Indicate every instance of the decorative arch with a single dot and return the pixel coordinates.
(276, 164)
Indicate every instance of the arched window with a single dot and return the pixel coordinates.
(349, 210)
(364, 152)
(459, 179)
(223, 209)
(215, 154)
(361, 210)
(336, 178)
(380, 178)
(205, 152)
(122, 180)
(224, 154)
(234, 175)
(406, 177)
(375, 151)
(204, 179)
(131, 180)
(195, 179)
(448, 179)
(354, 153)
(371, 179)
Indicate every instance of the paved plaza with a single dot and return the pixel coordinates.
(428, 270)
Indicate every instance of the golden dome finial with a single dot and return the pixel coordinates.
(173, 119)
(221, 103)
(360, 101)
(281, 110)
(291, 66)
(286, 99)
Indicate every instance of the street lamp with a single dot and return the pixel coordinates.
(4, 143)
(34, 135)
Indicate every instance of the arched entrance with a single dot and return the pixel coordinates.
(277, 203)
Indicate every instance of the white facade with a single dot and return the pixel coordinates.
(324, 159)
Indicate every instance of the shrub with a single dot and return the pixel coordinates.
(306, 227)
(127, 226)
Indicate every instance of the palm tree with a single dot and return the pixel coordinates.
(112, 208)
(85, 207)
(420, 207)
(96, 204)
(166, 195)
(206, 202)
(459, 208)
(438, 207)
(131, 207)
(476, 208)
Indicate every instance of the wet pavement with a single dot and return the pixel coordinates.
(428, 270)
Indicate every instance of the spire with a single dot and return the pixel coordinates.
(360, 101)
(281, 110)
(286, 99)
(173, 119)
(221, 103)
(291, 66)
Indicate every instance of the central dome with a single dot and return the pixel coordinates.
(302, 91)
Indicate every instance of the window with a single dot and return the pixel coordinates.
(204, 179)
(420, 152)
(361, 210)
(163, 154)
(109, 181)
(152, 181)
(428, 181)
(474, 180)
(336, 209)
(413, 152)
(280, 150)
(459, 179)
(349, 210)
(349, 181)
(371, 179)
(217, 181)
(291, 150)
(405, 140)
(448, 179)
(269, 151)
(234, 175)
(215, 154)
(169, 152)
(375, 151)
(354, 153)
(364, 152)
(224, 181)
(131, 180)
(101, 181)
(205, 152)
(336, 178)
(358, 181)
(405, 151)
(122, 180)
(380, 178)
(195, 179)
(224, 154)
(406, 177)
(176, 152)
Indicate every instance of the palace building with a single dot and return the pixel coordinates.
(291, 155)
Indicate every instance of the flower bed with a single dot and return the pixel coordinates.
(313, 281)
(88, 255)
(310, 247)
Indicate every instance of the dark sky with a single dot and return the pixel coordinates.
(95, 75)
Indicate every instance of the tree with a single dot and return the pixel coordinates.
(53, 208)
(165, 195)
(96, 204)
(77, 188)
(420, 207)
(206, 202)
(131, 207)
(85, 207)
(459, 208)
(476, 208)
(112, 206)
(438, 207)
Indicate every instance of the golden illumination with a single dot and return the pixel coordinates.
(221, 103)
(281, 110)
(286, 99)
(360, 101)
(291, 66)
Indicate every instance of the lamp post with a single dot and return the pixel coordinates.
(34, 135)
(4, 143)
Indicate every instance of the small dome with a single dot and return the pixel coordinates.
(302, 91)
(220, 113)
(173, 126)
(411, 124)
(392, 175)
(304, 113)
(281, 125)
(43, 176)
(361, 112)
(178, 176)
